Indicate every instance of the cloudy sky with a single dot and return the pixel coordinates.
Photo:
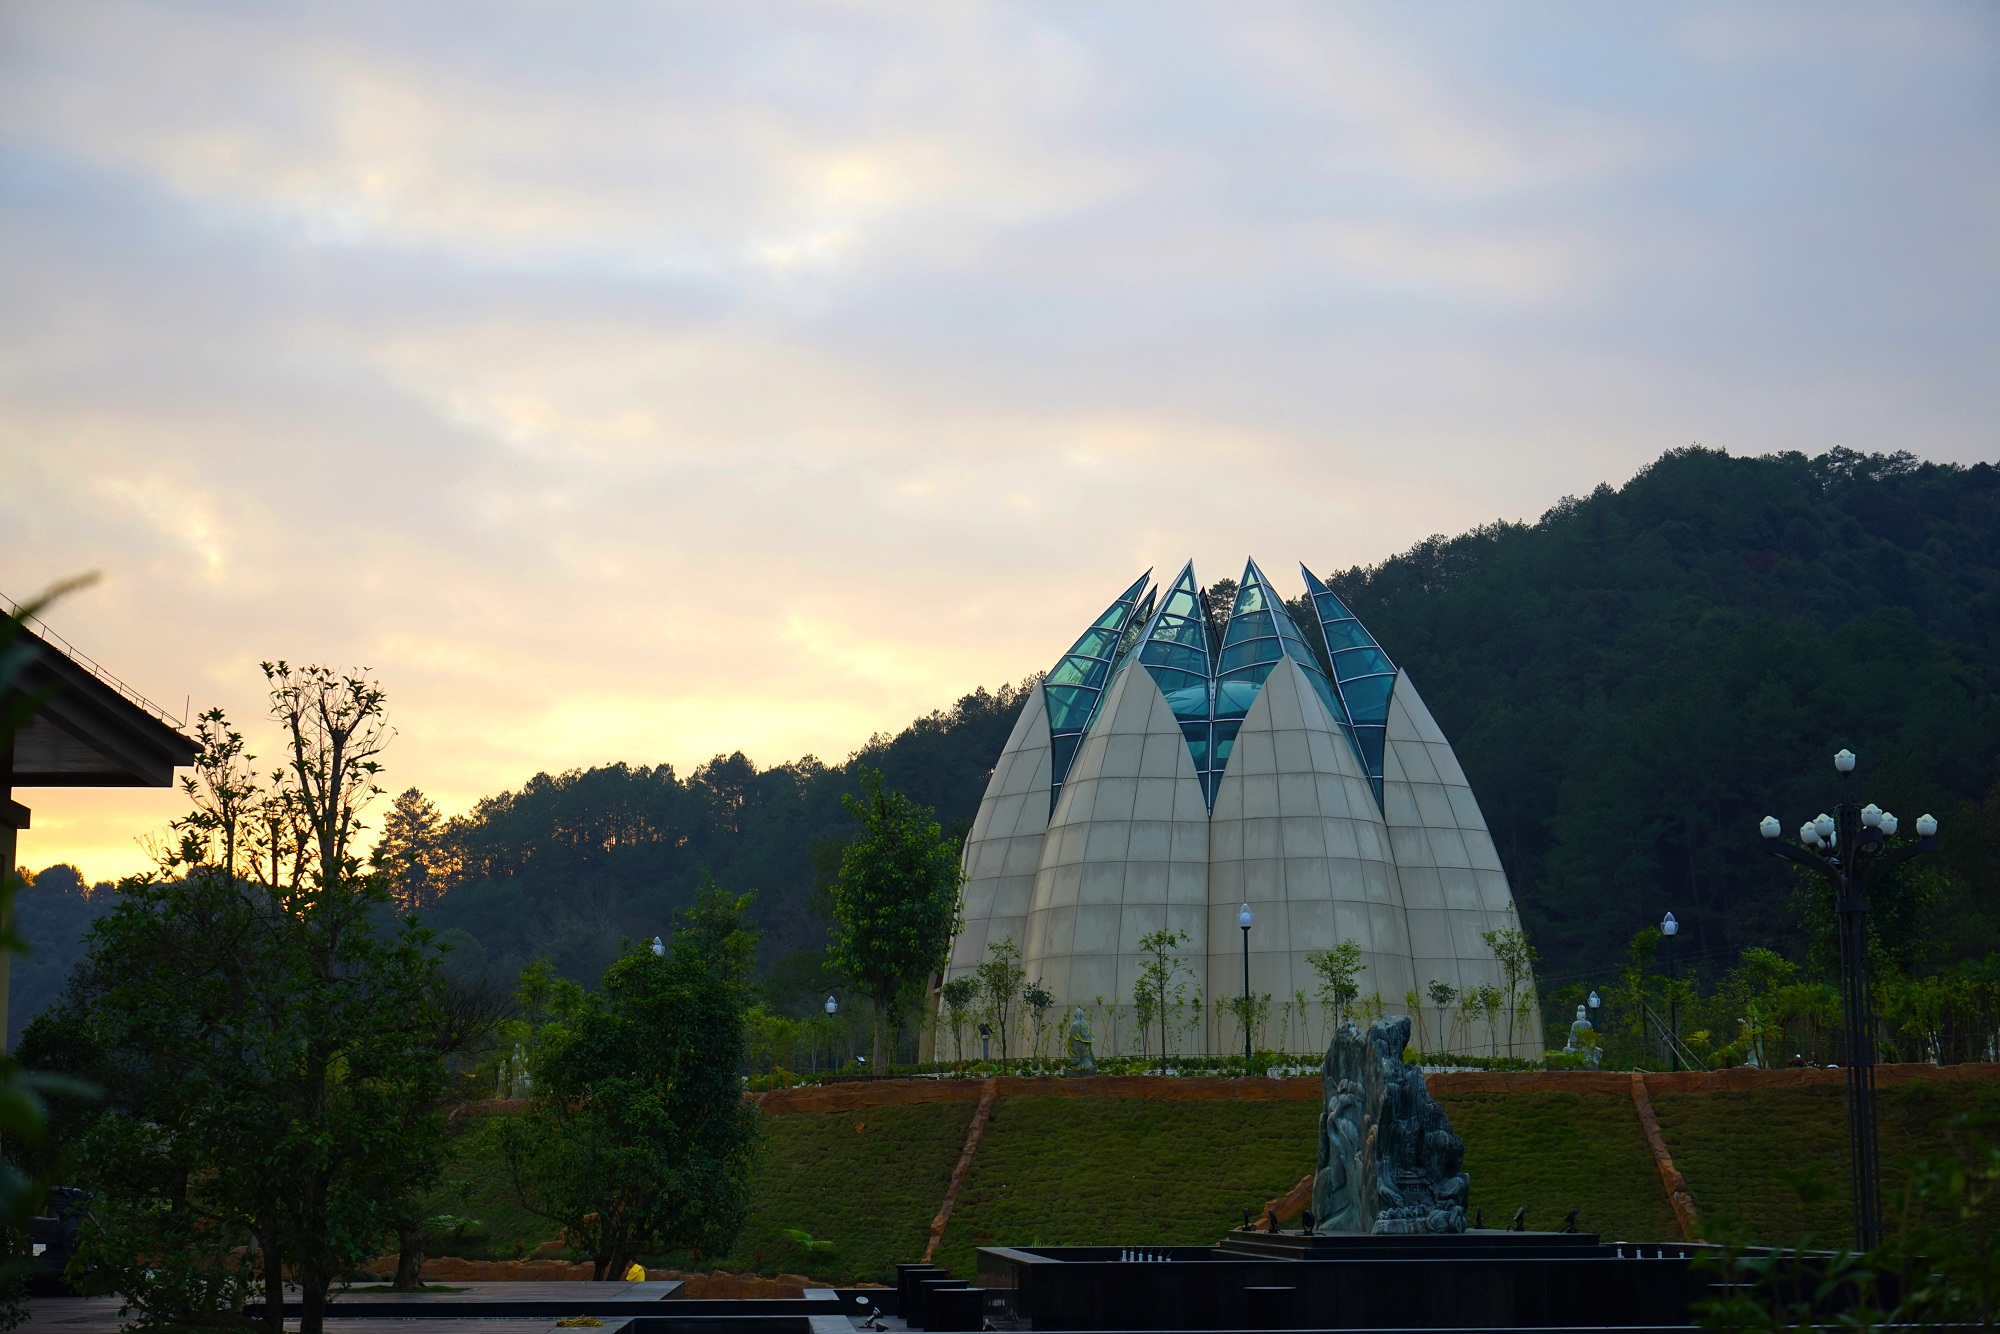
(642, 381)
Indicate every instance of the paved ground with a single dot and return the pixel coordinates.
(99, 1315)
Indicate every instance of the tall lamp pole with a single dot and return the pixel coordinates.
(1670, 928)
(1848, 849)
(1243, 920)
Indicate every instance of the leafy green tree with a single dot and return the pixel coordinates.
(272, 1045)
(895, 901)
(1442, 994)
(638, 1136)
(1159, 990)
(957, 997)
(1039, 1000)
(411, 853)
(1517, 959)
(1338, 970)
(1000, 977)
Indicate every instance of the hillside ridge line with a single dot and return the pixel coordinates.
(1306, 1088)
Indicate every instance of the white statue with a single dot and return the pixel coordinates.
(1583, 1040)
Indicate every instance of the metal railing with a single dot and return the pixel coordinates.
(44, 631)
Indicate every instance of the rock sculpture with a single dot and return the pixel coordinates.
(1081, 1061)
(1388, 1160)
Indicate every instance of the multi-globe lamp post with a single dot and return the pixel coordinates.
(1848, 849)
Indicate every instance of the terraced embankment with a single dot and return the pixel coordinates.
(1144, 1161)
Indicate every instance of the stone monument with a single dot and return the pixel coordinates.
(1388, 1160)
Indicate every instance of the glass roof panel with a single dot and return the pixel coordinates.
(1073, 687)
(1349, 663)
(1249, 625)
(1246, 655)
(1364, 676)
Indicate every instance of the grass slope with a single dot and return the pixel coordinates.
(1735, 1150)
(475, 1186)
(868, 1181)
(1555, 1152)
(1059, 1170)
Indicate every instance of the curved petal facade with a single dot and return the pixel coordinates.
(1178, 764)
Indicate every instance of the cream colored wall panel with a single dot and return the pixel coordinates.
(1309, 878)
(1115, 797)
(1301, 836)
(1012, 895)
(1460, 890)
(1187, 883)
(1310, 924)
(1297, 795)
(1447, 848)
(1109, 841)
(1164, 756)
(1260, 839)
(1126, 883)
(1151, 842)
(1102, 882)
(1254, 753)
(1464, 809)
(1494, 892)
(1007, 832)
(1433, 805)
(1431, 934)
(1153, 799)
(1449, 772)
(1415, 758)
(1260, 792)
(1293, 751)
(1452, 887)
(1024, 856)
(1327, 748)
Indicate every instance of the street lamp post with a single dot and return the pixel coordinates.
(1243, 920)
(831, 1007)
(1848, 849)
(1670, 928)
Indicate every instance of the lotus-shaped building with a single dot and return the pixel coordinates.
(1180, 762)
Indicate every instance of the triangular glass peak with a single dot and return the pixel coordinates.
(1074, 685)
(1175, 650)
(1260, 633)
(1362, 674)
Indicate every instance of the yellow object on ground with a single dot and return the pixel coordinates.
(636, 1274)
(578, 1321)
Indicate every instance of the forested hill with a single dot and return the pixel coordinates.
(1630, 682)
(569, 864)
(1633, 681)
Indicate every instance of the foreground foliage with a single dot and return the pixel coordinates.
(638, 1137)
(272, 1042)
(1939, 1269)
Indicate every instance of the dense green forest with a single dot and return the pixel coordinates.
(1634, 680)
(571, 863)
(1630, 683)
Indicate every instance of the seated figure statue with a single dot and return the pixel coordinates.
(1080, 1037)
(1583, 1041)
